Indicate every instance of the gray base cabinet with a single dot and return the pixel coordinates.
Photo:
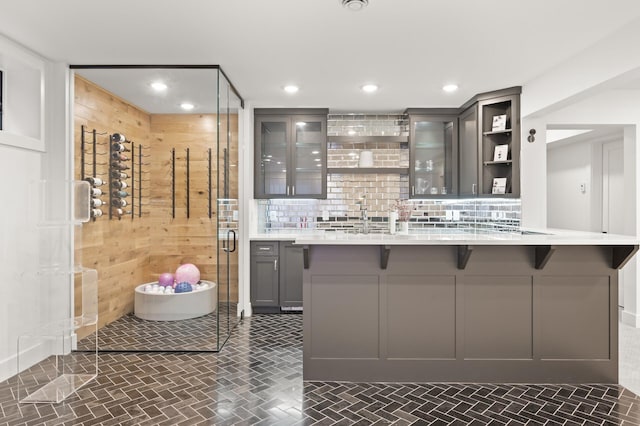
(291, 261)
(276, 276)
(504, 316)
(264, 274)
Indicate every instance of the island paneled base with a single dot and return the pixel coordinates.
(438, 313)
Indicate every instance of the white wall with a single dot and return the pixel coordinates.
(31, 148)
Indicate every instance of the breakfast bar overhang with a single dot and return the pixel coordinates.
(474, 307)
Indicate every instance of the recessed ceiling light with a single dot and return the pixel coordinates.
(316, 159)
(291, 88)
(450, 87)
(300, 123)
(187, 106)
(369, 88)
(355, 5)
(158, 86)
(315, 152)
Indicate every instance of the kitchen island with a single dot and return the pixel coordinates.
(463, 306)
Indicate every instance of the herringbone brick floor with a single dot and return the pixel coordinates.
(130, 333)
(257, 379)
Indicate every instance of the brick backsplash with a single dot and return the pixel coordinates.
(342, 213)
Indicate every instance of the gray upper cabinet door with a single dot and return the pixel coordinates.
(468, 152)
(290, 153)
(433, 156)
(271, 153)
(309, 155)
(291, 258)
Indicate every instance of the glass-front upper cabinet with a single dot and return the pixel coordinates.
(290, 153)
(310, 157)
(433, 155)
(272, 143)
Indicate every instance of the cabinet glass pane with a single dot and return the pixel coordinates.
(308, 158)
(433, 162)
(273, 150)
(468, 150)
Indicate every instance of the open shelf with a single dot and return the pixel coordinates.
(497, 132)
(491, 163)
(368, 139)
(369, 170)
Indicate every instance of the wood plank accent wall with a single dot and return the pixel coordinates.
(117, 249)
(130, 252)
(193, 239)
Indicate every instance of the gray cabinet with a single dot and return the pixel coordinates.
(433, 152)
(489, 145)
(291, 265)
(276, 276)
(290, 153)
(468, 152)
(264, 274)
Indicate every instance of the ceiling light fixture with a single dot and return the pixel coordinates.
(291, 88)
(187, 106)
(355, 5)
(369, 88)
(158, 86)
(450, 88)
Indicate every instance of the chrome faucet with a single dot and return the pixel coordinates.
(363, 214)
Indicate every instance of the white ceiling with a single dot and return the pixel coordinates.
(195, 86)
(410, 48)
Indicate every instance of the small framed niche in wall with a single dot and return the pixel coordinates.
(22, 99)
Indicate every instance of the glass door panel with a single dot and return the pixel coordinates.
(272, 156)
(309, 156)
(433, 157)
(228, 210)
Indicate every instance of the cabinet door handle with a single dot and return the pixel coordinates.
(473, 188)
(293, 190)
(264, 248)
(413, 190)
(287, 189)
(275, 265)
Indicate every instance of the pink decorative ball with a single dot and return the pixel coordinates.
(166, 279)
(188, 273)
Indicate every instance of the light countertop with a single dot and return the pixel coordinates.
(452, 236)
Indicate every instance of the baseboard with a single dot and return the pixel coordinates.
(28, 357)
(8, 368)
(630, 319)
